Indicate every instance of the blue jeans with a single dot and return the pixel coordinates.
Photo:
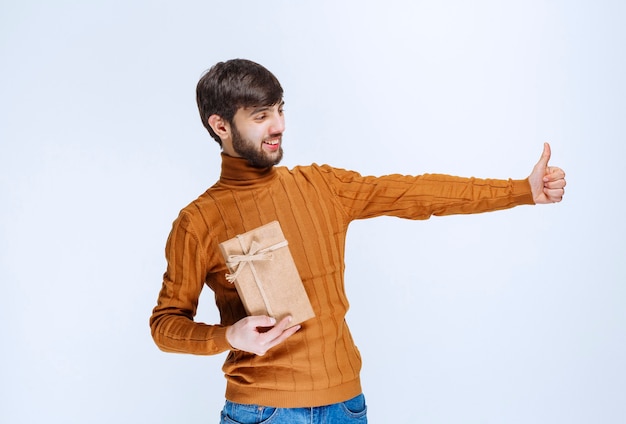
(352, 411)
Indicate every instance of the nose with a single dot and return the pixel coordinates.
(278, 123)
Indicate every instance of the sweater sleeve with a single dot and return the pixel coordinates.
(172, 321)
(420, 197)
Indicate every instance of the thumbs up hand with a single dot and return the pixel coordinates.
(547, 182)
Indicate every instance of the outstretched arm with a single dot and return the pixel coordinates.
(547, 183)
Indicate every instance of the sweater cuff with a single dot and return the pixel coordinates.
(220, 340)
(522, 192)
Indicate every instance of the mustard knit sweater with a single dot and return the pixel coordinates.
(320, 364)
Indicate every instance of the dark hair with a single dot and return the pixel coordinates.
(233, 84)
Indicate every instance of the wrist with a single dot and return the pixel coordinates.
(228, 335)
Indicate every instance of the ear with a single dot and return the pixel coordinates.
(219, 126)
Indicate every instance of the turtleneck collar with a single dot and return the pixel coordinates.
(238, 172)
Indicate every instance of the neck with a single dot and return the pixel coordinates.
(239, 172)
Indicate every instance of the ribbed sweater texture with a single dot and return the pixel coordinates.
(319, 364)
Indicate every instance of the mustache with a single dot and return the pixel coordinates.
(273, 137)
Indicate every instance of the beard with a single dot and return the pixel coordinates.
(255, 155)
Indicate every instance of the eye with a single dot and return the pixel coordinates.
(259, 117)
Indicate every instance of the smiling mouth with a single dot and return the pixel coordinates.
(273, 143)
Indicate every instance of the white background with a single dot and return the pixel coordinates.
(509, 317)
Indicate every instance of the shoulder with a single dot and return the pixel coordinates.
(323, 171)
(201, 202)
(193, 216)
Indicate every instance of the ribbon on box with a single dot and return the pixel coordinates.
(253, 254)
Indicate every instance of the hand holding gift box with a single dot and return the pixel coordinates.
(265, 275)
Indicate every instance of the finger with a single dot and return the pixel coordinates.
(554, 195)
(278, 329)
(260, 321)
(281, 338)
(287, 333)
(285, 322)
(555, 170)
(278, 334)
(560, 183)
(545, 156)
(554, 173)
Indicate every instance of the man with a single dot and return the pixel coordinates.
(308, 372)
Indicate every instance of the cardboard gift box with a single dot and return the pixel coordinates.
(265, 275)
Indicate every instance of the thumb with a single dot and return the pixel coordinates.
(545, 157)
(261, 321)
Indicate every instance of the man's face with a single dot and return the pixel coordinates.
(257, 134)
